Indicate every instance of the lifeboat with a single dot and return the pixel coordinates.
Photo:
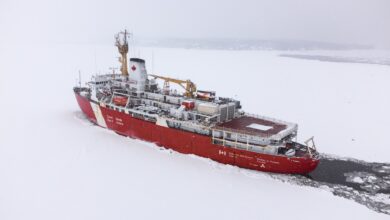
(120, 100)
(189, 105)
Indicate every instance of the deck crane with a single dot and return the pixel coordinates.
(187, 85)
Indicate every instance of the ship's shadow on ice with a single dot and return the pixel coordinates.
(79, 115)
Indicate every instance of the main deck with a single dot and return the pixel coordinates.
(259, 126)
(254, 125)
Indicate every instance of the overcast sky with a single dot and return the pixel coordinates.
(340, 21)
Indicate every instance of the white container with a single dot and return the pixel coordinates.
(207, 109)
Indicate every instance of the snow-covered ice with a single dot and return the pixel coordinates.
(54, 164)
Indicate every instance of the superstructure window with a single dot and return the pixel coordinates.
(228, 135)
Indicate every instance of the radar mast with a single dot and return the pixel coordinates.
(123, 47)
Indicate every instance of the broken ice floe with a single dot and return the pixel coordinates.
(382, 169)
(368, 181)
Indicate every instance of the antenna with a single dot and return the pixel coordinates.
(113, 70)
(152, 61)
(80, 78)
(132, 44)
(95, 61)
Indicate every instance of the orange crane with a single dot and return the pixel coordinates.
(187, 85)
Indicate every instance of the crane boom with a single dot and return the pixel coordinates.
(189, 87)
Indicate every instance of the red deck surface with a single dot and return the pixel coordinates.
(241, 124)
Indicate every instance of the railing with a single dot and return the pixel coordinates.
(291, 128)
(310, 145)
(236, 144)
(269, 119)
(238, 131)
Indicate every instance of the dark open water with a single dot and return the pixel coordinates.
(363, 182)
(370, 177)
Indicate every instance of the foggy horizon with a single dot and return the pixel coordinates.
(215, 109)
(359, 22)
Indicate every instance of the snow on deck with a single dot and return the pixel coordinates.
(259, 127)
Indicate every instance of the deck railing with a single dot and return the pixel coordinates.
(290, 129)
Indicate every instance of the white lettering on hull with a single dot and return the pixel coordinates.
(221, 152)
(119, 121)
(112, 119)
(98, 115)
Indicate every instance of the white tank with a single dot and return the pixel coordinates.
(207, 108)
(137, 74)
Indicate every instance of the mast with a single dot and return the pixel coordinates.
(123, 47)
(79, 78)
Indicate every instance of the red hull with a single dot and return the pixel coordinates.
(192, 143)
